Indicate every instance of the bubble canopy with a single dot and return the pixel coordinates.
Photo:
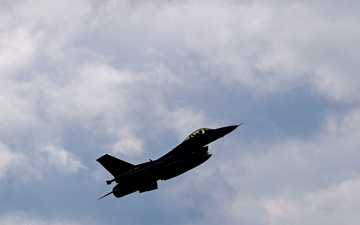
(197, 133)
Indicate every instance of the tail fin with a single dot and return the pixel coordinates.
(114, 165)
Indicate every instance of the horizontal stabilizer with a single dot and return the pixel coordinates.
(114, 165)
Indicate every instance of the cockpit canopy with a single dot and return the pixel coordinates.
(197, 133)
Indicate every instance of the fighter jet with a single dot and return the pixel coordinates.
(143, 177)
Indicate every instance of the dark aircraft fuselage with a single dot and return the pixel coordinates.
(192, 152)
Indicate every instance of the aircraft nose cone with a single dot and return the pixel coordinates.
(222, 131)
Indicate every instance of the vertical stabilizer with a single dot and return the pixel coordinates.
(114, 165)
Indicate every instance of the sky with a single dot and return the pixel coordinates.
(79, 79)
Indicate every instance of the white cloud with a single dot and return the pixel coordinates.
(19, 166)
(45, 15)
(180, 119)
(46, 22)
(117, 68)
(260, 45)
(126, 142)
(17, 48)
(8, 160)
(25, 167)
(252, 43)
(295, 181)
(300, 181)
(51, 14)
(336, 204)
(17, 110)
(60, 159)
(321, 51)
(25, 218)
(97, 90)
(256, 44)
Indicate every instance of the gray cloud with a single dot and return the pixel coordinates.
(29, 219)
(7, 158)
(79, 79)
(332, 205)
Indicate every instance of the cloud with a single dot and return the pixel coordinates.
(319, 52)
(23, 166)
(34, 34)
(17, 49)
(8, 160)
(255, 44)
(250, 43)
(294, 180)
(179, 119)
(336, 204)
(23, 218)
(118, 76)
(127, 142)
(60, 159)
(97, 89)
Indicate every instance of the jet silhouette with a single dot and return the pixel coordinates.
(143, 177)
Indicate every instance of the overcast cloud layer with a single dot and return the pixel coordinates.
(79, 79)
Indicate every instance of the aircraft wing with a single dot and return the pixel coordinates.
(114, 165)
